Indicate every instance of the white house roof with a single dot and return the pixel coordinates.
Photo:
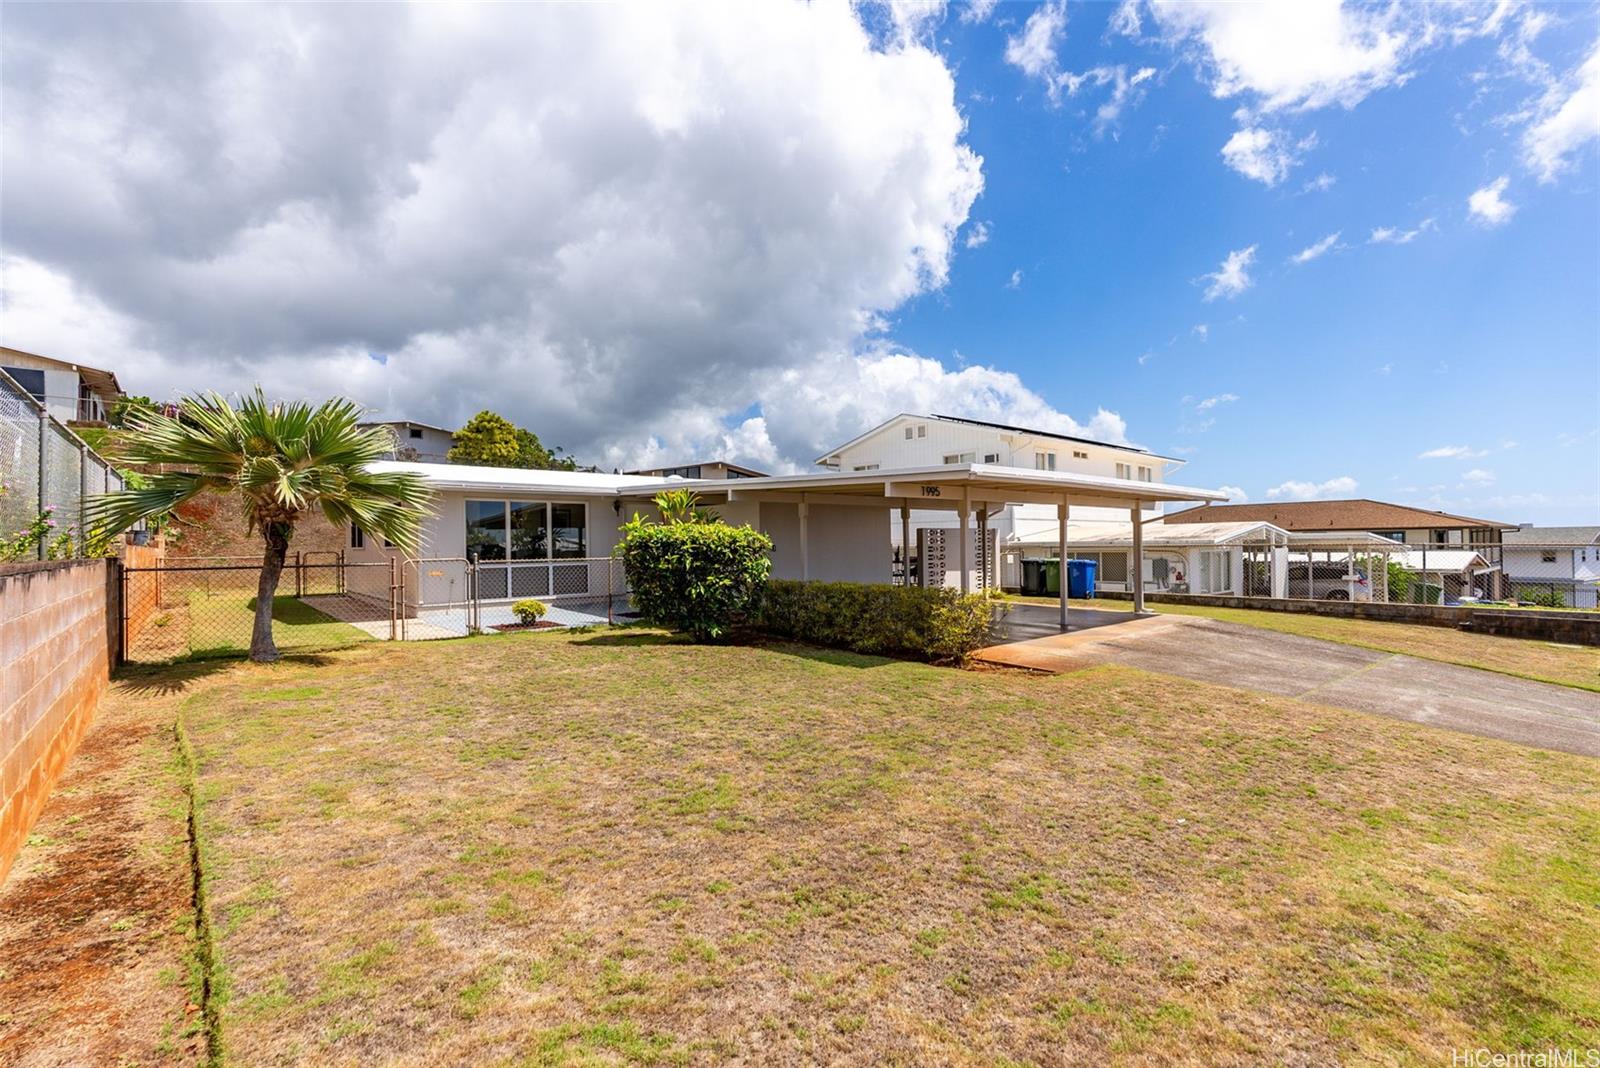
(1451, 560)
(938, 486)
(959, 421)
(521, 480)
(1158, 534)
(1551, 536)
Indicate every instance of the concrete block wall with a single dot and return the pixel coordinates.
(1572, 628)
(58, 642)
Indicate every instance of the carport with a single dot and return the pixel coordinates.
(840, 522)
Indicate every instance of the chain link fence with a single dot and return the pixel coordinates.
(45, 468)
(190, 611)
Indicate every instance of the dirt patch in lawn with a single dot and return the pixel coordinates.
(619, 848)
(95, 919)
(543, 624)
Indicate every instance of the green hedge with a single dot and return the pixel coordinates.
(698, 578)
(937, 624)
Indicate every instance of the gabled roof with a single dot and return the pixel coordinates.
(1053, 435)
(1552, 536)
(405, 422)
(98, 379)
(1359, 514)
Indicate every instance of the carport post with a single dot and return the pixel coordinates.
(905, 543)
(805, 549)
(966, 573)
(983, 547)
(1138, 558)
(1061, 554)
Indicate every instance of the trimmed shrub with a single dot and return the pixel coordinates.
(938, 624)
(698, 578)
(529, 612)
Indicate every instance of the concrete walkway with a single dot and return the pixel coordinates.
(1388, 684)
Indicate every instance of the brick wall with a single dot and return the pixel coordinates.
(58, 642)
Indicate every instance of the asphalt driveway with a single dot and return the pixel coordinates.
(1387, 684)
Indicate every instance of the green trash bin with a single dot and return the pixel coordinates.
(1052, 577)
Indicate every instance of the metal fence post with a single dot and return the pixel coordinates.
(83, 496)
(44, 430)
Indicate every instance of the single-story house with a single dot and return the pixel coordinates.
(1554, 564)
(73, 392)
(1243, 558)
(549, 534)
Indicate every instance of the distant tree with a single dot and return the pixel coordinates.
(491, 440)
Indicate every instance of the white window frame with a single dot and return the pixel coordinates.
(865, 467)
(959, 457)
(1124, 471)
(1044, 460)
(1146, 474)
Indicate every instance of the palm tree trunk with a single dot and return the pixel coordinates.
(262, 647)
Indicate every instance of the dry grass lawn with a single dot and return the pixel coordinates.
(616, 848)
(1565, 665)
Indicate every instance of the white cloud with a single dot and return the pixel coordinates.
(1295, 490)
(1452, 452)
(1033, 51)
(1568, 118)
(1211, 402)
(1264, 155)
(509, 203)
(1144, 358)
(1320, 184)
(1478, 477)
(978, 235)
(1392, 235)
(1488, 206)
(1236, 495)
(1305, 54)
(1201, 330)
(1125, 90)
(1311, 252)
(1232, 276)
(978, 10)
(1015, 279)
(914, 20)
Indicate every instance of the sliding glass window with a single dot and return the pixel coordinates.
(526, 530)
(570, 524)
(530, 530)
(486, 530)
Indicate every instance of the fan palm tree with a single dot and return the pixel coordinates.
(282, 460)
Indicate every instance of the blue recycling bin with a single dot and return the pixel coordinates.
(1080, 578)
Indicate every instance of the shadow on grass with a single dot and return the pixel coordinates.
(174, 676)
(623, 638)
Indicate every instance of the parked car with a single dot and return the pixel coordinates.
(1330, 581)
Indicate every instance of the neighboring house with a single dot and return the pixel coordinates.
(72, 392)
(419, 442)
(1397, 522)
(704, 469)
(1564, 561)
(1032, 529)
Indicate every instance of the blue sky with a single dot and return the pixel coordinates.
(1479, 339)
(1317, 249)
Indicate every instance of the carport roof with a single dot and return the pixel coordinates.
(939, 486)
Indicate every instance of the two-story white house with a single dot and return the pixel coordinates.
(73, 392)
(418, 442)
(1027, 530)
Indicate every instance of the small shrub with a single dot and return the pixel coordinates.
(700, 578)
(937, 624)
(1545, 598)
(529, 612)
